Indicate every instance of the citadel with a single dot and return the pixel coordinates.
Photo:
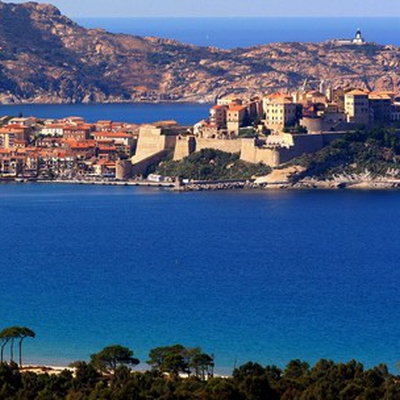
(271, 129)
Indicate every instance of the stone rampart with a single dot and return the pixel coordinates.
(141, 167)
(227, 145)
(252, 152)
(185, 145)
(287, 148)
(152, 141)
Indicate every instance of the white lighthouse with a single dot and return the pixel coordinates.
(358, 38)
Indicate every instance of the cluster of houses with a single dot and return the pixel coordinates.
(271, 129)
(312, 110)
(65, 149)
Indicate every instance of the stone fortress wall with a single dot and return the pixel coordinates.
(255, 151)
(152, 140)
(227, 145)
(152, 147)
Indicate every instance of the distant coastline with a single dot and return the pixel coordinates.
(228, 33)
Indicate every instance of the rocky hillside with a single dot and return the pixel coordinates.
(46, 57)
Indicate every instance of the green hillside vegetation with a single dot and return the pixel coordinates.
(108, 377)
(376, 151)
(211, 165)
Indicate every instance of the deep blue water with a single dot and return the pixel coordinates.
(243, 32)
(266, 276)
(134, 113)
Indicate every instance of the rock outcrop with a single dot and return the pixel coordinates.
(45, 57)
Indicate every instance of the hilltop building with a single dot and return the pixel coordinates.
(235, 118)
(381, 106)
(356, 106)
(229, 100)
(358, 40)
(228, 117)
(280, 112)
(218, 116)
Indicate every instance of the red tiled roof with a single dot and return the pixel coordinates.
(357, 92)
(236, 108)
(107, 148)
(116, 135)
(218, 107)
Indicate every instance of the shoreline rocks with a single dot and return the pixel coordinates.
(305, 184)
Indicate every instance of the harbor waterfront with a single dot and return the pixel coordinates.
(263, 276)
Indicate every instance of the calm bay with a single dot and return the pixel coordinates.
(247, 275)
(183, 113)
(266, 276)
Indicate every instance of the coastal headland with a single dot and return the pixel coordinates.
(45, 57)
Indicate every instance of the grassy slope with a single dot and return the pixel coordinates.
(376, 151)
(212, 165)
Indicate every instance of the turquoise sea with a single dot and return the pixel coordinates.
(266, 276)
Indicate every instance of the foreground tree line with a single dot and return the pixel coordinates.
(180, 373)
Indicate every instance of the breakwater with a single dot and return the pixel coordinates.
(198, 186)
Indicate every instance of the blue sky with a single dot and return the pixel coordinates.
(180, 8)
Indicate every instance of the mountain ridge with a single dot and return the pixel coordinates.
(45, 57)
